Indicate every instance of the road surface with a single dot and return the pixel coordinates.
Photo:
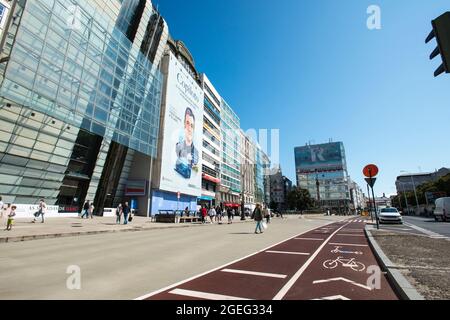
(332, 262)
(131, 264)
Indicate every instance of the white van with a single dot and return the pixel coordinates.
(442, 210)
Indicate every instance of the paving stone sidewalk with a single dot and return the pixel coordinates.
(24, 230)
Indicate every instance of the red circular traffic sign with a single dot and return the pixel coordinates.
(370, 171)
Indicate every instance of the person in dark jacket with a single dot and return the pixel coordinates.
(126, 212)
(258, 217)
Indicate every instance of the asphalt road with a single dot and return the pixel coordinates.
(129, 265)
(442, 228)
(333, 262)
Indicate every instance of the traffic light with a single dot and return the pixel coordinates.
(441, 31)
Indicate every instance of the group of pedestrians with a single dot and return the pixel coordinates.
(125, 211)
(8, 211)
(88, 210)
(216, 214)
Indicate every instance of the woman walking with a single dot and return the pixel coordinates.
(258, 217)
(119, 213)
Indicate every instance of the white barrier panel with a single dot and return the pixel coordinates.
(28, 210)
(109, 212)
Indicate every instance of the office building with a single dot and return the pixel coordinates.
(80, 94)
(177, 173)
(212, 145)
(248, 171)
(322, 170)
(230, 180)
(407, 182)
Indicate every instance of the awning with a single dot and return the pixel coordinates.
(207, 198)
(231, 205)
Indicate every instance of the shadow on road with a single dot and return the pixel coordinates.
(242, 233)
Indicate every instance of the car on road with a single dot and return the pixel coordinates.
(389, 215)
(442, 210)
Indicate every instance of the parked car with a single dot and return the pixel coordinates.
(389, 215)
(442, 210)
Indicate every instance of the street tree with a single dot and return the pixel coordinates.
(299, 199)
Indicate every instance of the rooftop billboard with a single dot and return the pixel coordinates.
(328, 156)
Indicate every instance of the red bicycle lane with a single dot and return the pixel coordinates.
(284, 271)
(344, 269)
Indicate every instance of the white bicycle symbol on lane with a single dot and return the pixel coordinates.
(338, 250)
(349, 263)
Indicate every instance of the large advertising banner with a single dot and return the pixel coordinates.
(319, 156)
(181, 167)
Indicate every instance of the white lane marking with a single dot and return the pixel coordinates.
(204, 295)
(297, 275)
(288, 252)
(351, 235)
(148, 295)
(338, 297)
(315, 239)
(428, 232)
(348, 244)
(343, 279)
(253, 273)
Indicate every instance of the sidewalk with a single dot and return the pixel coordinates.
(24, 230)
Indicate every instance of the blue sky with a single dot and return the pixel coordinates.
(315, 71)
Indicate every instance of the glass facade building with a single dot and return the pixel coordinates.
(80, 94)
(231, 159)
(324, 167)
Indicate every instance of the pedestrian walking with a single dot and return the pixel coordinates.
(258, 217)
(4, 210)
(266, 214)
(126, 212)
(186, 211)
(119, 213)
(85, 209)
(212, 214)
(1, 207)
(229, 215)
(41, 211)
(91, 210)
(219, 214)
(204, 213)
(11, 216)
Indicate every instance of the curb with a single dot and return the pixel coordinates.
(401, 285)
(94, 232)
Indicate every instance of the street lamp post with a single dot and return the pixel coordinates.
(415, 192)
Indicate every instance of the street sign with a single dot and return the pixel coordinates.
(370, 171)
(178, 195)
(371, 181)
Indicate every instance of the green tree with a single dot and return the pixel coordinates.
(273, 205)
(299, 199)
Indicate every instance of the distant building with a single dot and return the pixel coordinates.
(383, 201)
(280, 186)
(407, 182)
(357, 196)
(322, 170)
